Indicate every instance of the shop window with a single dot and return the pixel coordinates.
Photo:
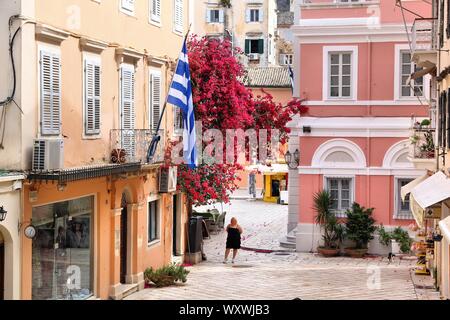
(62, 264)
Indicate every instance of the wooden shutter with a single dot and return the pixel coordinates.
(261, 15)
(448, 19)
(247, 46)
(261, 46)
(446, 115)
(208, 15)
(247, 15)
(50, 90)
(127, 94)
(92, 93)
(221, 16)
(128, 5)
(155, 99)
(156, 10)
(178, 15)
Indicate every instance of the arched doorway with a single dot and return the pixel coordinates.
(2, 267)
(123, 239)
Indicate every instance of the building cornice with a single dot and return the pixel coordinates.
(49, 33)
(93, 45)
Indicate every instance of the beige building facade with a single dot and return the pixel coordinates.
(251, 25)
(91, 81)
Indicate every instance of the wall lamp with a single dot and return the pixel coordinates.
(292, 159)
(3, 213)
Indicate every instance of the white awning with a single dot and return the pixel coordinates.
(444, 225)
(410, 186)
(272, 169)
(417, 211)
(432, 191)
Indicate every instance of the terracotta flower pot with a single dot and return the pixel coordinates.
(328, 252)
(356, 253)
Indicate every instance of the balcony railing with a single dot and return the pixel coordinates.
(131, 146)
(423, 35)
(422, 143)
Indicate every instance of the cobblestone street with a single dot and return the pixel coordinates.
(284, 275)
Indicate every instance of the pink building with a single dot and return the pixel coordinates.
(352, 64)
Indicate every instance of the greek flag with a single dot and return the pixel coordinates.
(180, 95)
(291, 75)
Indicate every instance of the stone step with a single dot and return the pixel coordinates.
(287, 243)
(291, 238)
(124, 290)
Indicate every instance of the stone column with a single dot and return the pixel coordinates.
(293, 186)
(115, 253)
(136, 275)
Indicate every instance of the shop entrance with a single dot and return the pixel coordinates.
(2, 268)
(123, 239)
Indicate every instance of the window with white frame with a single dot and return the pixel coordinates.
(155, 98)
(340, 74)
(178, 16)
(50, 91)
(341, 192)
(286, 59)
(153, 231)
(155, 11)
(92, 95)
(409, 87)
(254, 15)
(214, 16)
(402, 208)
(127, 6)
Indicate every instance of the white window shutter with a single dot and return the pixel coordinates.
(282, 59)
(261, 15)
(247, 15)
(155, 100)
(92, 71)
(156, 10)
(127, 103)
(50, 90)
(178, 15)
(127, 113)
(208, 15)
(221, 16)
(128, 5)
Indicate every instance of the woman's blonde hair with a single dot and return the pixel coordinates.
(233, 221)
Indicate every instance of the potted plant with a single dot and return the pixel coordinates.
(166, 276)
(333, 230)
(386, 238)
(402, 237)
(360, 228)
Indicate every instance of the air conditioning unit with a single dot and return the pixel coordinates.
(48, 154)
(168, 180)
(253, 56)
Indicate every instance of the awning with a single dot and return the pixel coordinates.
(417, 212)
(410, 186)
(444, 225)
(432, 191)
(275, 168)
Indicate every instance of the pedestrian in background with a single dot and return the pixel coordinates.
(233, 239)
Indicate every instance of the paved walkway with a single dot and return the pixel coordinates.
(286, 275)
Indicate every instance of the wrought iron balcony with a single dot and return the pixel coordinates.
(131, 146)
(424, 35)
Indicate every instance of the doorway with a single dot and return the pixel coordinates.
(2, 270)
(123, 240)
(176, 225)
(275, 188)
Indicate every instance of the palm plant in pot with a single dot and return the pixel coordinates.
(360, 228)
(333, 230)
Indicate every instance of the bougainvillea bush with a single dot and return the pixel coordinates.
(221, 102)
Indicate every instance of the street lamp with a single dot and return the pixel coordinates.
(3, 213)
(292, 160)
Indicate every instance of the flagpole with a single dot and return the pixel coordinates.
(156, 138)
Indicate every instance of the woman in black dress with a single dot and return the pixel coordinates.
(233, 240)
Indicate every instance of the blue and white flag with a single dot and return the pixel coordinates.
(180, 95)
